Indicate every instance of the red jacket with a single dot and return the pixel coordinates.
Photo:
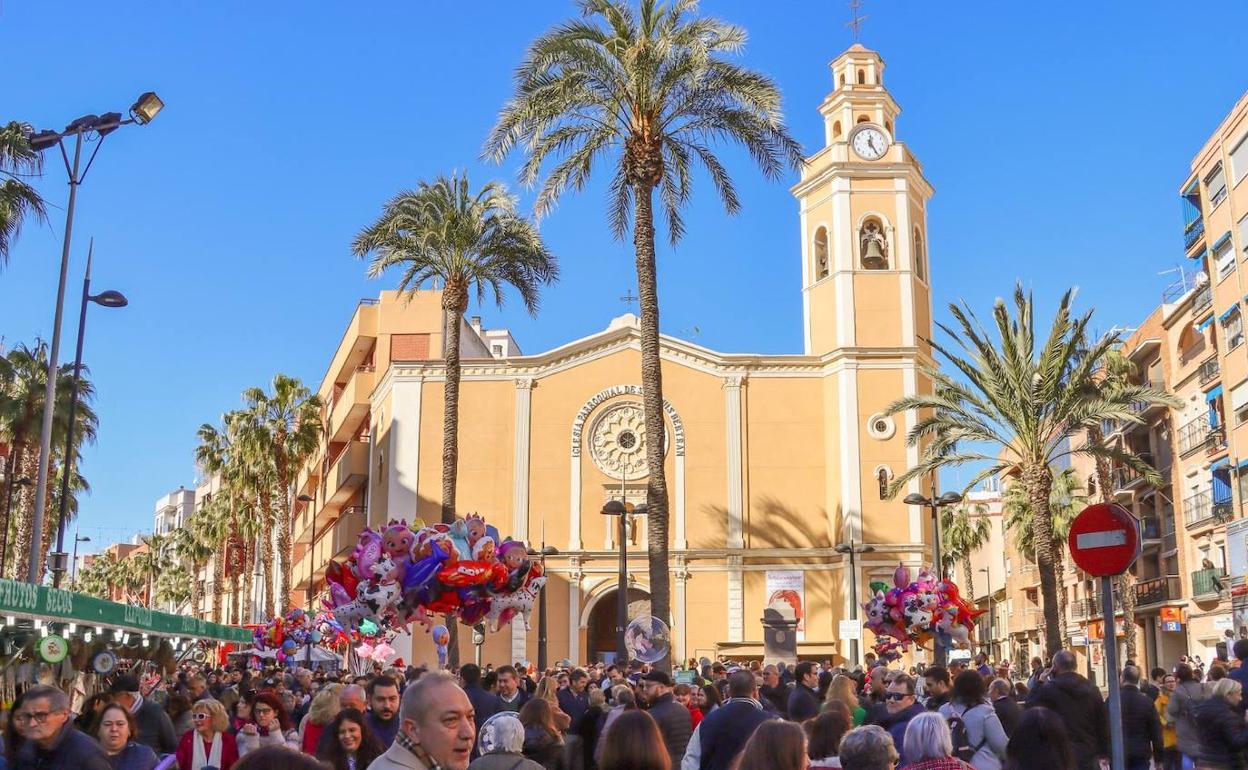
(186, 750)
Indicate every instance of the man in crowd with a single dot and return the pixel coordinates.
(510, 696)
(1001, 693)
(573, 699)
(937, 686)
(804, 700)
(1240, 672)
(383, 709)
(155, 728)
(51, 742)
(724, 732)
(196, 687)
(436, 727)
(867, 748)
(981, 664)
(484, 704)
(1141, 727)
(1078, 702)
(903, 706)
(774, 696)
(674, 720)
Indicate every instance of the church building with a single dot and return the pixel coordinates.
(772, 460)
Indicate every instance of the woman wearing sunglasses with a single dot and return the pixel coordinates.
(208, 744)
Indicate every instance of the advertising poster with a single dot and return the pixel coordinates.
(789, 586)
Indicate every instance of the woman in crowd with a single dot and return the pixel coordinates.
(278, 758)
(634, 743)
(270, 726)
(352, 745)
(624, 700)
(241, 715)
(91, 708)
(775, 745)
(323, 709)
(500, 744)
(115, 729)
(1039, 742)
(543, 741)
(709, 699)
(548, 690)
(824, 733)
(178, 707)
(1181, 710)
(1170, 750)
(844, 689)
(683, 694)
(590, 728)
(1220, 726)
(928, 744)
(208, 743)
(984, 732)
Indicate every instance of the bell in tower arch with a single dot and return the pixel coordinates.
(873, 247)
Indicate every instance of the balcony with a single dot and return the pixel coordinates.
(1215, 439)
(1208, 371)
(1192, 435)
(1208, 583)
(1200, 510)
(334, 543)
(1202, 299)
(347, 474)
(1157, 590)
(1193, 232)
(1169, 540)
(350, 405)
(1150, 527)
(1124, 478)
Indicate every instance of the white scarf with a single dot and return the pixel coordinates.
(198, 761)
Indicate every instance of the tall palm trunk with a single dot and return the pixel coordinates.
(284, 523)
(25, 519)
(195, 597)
(11, 475)
(454, 305)
(1038, 481)
(218, 576)
(970, 578)
(266, 557)
(1124, 583)
(248, 597)
(652, 401)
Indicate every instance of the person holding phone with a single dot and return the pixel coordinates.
(270, 726)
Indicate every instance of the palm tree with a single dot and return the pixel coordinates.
(286, 428)
(193, 546)
(18, 200)
(963, 535)
(443, 233)
(648, 91)
(174, 586)
(151, 564)
(214, 531)
(1016, 408)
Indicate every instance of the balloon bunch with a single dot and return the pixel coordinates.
(289, 633)
(916, 611)
(464, 570)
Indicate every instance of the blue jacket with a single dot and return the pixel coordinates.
(724, 731)
(135, 756)
(73, 750)
(896, 726)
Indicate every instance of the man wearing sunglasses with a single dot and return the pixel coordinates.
(52, 743)
(902, 706)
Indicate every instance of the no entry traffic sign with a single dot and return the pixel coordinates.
(1104, 539)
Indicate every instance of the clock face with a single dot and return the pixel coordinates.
(870, 143)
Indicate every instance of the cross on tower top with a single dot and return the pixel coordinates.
(629, 299)
(855, 22)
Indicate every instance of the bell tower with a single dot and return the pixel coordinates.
(865, 296)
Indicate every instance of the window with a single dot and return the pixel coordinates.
(1215, 186)
(496, 351)
(1239, 402)
(1224, 256)
(918, 255)
(1243, 234)
(864, 118)
(1239, 161)
(1232, 328)
(836, 130)
(862, 77)
(821, 253)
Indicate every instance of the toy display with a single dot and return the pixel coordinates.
(647, 639)
(916, 611)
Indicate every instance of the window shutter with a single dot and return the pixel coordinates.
(1239, 160)
(1239, 396)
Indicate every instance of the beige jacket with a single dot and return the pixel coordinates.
(397, 758)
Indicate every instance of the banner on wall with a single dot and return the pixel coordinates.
(789, 586)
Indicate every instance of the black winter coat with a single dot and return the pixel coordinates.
(675, 723)
(1223, 734)
(72, 751)
(803, 704)
(1141, 726)
(1009, 712)
(1078, 702)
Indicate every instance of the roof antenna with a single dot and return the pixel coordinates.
(855, 22)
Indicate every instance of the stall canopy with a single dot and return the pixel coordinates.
(54, 604)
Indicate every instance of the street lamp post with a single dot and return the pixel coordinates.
(935, 503)
(620, 509)
(546, 550)
(992, 634)
(141, 112)
(303, 500)
(73, 575)
(852, 550)
(24, 481)
(113, 299)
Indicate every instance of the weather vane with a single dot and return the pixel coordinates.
(855, 23)
(629, 299)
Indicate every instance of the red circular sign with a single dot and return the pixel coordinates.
(1104, 539)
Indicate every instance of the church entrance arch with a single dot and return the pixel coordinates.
(600, 633)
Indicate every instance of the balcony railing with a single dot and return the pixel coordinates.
(1192, 435)
(1169, 540)
(1150, 526)
(1215, 440)
(1208, 371)
(1202, 299)
(1123, 475)
(1200, 509)
(1192, 232)
(1157, 590)
(1208, 582)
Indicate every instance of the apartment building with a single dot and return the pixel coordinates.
(174, 510)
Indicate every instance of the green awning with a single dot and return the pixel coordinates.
(54, 604)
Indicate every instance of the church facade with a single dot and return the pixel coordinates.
(772, 460)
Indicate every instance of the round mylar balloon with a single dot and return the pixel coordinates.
(647, 639)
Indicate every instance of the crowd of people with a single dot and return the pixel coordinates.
(606, 717)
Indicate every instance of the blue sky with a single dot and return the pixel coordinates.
(1056, 135)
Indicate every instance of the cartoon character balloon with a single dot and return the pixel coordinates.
(441, 638)
(916, 611)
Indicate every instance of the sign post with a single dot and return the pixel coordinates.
(1104, 541)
